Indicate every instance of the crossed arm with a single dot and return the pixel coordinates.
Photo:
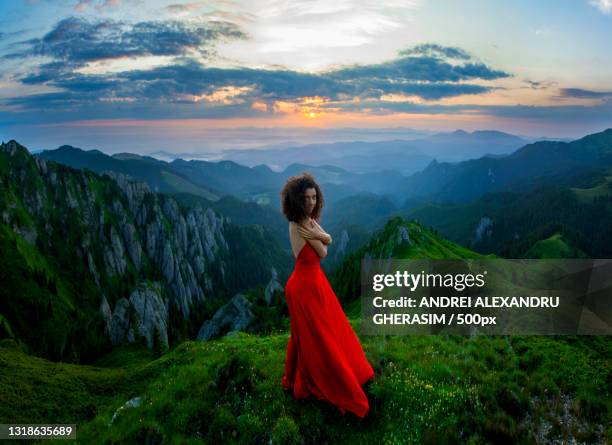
(314, 234)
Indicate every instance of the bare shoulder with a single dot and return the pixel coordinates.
(293, 232)
(293, 226)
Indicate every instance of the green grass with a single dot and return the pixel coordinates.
(603, 189)
(554, 247)
(427, 389)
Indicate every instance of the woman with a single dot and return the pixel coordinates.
(324, 357)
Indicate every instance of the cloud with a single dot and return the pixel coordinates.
(600, 114)
(427, 62)
(320, 31)
(77, 41)
(184, 7)
(99, 5)
(593, 115)
(604, 6)
(539, 85)
(430, 77)
(434, 50)
(423, 68)
(580, 93)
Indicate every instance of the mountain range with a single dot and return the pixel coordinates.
(359, 203)
(405, 156)
(92, 260)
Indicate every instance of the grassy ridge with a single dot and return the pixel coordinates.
(427, 389)
(555, 246)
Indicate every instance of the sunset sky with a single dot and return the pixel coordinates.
(191, 77)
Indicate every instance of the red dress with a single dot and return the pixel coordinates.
(324, 357)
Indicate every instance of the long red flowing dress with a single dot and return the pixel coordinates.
(324, 357)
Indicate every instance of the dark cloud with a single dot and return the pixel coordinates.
(8, 35)
(579, 93)
(427, 77)
(598, 115)
(77, 41)
(191, 78)
(421, 68)
(539, 85)
(177, 7)
(438, 51)
(49, 72)
(426, 71)
(63, 107)
(570, 114)
(87, 105)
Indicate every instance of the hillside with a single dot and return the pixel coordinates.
(510, 223)
(157, 174)
(554, 247)
(427, 389)
(399, 239)
(93, 261)
(537, 164)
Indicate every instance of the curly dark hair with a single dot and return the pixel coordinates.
(292, 197)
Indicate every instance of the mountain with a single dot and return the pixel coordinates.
(534, 164)
(398, 239)
(155, 173)
(556, 246)
(427, 388)
(404, 156)
(261, 184)
(461, 145)
(250, 195)
(211, 180)
(243, 213)
(520, 224)
(357, 157)
(92, 261)
(363, 209)
(230, 177)
(351, 222)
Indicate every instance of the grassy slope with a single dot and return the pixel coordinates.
(602, 189)
(554, 247)
(427, 389)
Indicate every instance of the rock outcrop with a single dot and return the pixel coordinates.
(111, 235)
(272, 286)
(234, 316)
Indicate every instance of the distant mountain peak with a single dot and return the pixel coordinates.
(69, 148)
(602, 135)
(263, 167)
(13, 148)
(126, 156)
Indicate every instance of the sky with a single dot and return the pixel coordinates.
(200, 77)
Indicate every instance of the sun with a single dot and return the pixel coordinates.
(312, 115)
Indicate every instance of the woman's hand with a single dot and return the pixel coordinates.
(326, 238)
(308, 231)
(312, 230)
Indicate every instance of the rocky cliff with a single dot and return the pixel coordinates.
(112, 246)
